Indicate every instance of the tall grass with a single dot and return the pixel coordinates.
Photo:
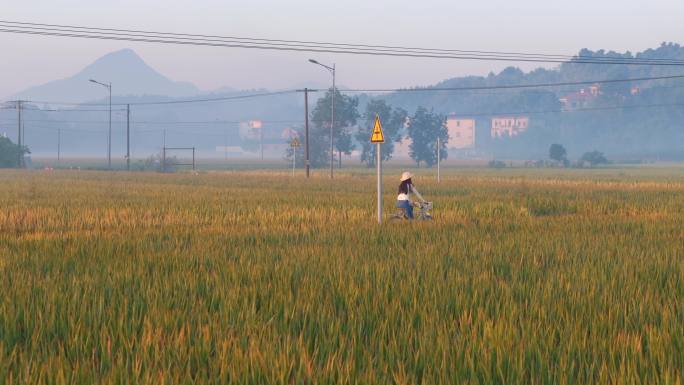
(255, 277)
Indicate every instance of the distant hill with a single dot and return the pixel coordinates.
(611, 121)
(625, 120)
(127, 72)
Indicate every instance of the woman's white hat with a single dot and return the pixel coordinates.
(406, 175)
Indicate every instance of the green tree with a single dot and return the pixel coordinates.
(558, 153)
(594, 158)
(346, 115)
(10, 153)
(424, 128)
(392, 119)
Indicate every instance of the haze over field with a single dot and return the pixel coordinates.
(627, 119)
(44, 69)
(493, 25)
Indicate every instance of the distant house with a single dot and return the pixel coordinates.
(581, 98)
(509, 126)
(250, 129)
(461, 133)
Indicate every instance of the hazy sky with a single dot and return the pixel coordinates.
(536, 26)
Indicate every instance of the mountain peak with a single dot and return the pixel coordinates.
(125, 69)
(125, 55)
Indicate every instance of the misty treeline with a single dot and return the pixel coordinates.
(626, 120)
(352, 130)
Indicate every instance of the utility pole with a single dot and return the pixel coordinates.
(261, 141)
(109, 138)
(225, 144)
(332, 124)
(163, 167)
(59, 144)
(306, 129)
(108, 86)
(128, 137)
(332, 112)
(20, 154)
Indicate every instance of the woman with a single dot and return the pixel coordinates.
(404, 197)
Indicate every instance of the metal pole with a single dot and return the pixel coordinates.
(379, 163)
(128, 137)
(164, 153)
(59, 144)
(109, 139)
(193, 159)
(261, 141)
(306, 129)
(438, 159)
(20, 153)
(332, 124)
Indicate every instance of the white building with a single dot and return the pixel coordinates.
(509, 126)
(461, 133)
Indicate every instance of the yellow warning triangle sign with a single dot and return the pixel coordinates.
(378, 136)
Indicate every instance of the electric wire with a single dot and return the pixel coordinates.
(15, 23)
(424, 89)
(187, 39)
(460, 114)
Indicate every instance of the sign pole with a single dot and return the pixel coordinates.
(379, 163)
(377, 138)
(294, 144)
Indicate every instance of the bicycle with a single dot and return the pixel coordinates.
(420, 213)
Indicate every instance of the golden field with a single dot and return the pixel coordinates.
(524, 277)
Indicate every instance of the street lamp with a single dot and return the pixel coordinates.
(332, 113)
(109, 138)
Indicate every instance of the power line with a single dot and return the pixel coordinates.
(167, 102)
(465, 114)
(282, 45)
(57, 110)
(69, 110)
(515, 86)
(426, 89)
(585, 109)
(301, 42)
(162, 122)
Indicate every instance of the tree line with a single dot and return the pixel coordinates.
(626, 120)
(352, 130)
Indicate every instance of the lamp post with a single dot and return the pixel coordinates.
(108, 86)
(332, 112)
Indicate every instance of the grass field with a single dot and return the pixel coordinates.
(524, 277)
